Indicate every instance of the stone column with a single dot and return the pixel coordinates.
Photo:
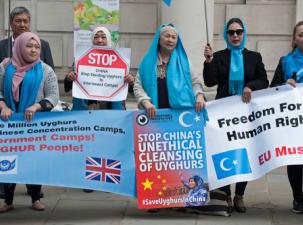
(189, 19)
(299, 11)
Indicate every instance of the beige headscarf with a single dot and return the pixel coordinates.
(105, 31)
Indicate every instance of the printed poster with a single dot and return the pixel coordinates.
(89, 14)
(170, 159)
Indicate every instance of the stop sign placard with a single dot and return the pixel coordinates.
(100, 74)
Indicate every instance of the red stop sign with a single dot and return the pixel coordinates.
(101, 60)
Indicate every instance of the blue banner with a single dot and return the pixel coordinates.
(83, 149)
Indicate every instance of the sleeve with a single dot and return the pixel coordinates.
(48, 56)
(139, 92)
(210, 72)
(196, 81)
(68, 84)
(1, 82)
(260, 81)
(50, 88)
(278, 78)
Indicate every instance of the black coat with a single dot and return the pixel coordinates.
(279, 77)
(46, 55)
(217, 72)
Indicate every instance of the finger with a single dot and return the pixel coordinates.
(149, 112)
(243, 98)
(28, 115)
(198, 107)
(153, 112)
(248, 97)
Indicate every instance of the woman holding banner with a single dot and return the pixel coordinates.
(27, 85)
(236, 71)
(290, 70)
(100, 37)
(165, 78)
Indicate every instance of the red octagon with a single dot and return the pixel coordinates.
(104, 58)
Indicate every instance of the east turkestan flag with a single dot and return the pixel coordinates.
(167, 2)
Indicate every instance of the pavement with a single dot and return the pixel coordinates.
(268, 199)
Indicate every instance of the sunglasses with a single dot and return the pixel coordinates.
(233, 32)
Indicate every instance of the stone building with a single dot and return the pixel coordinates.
(269, 25)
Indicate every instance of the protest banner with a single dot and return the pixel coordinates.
(170, 159)
(246, 141)
(81, 149)
(100, 74)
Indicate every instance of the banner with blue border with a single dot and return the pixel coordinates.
(83, 149)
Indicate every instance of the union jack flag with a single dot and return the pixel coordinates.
(104, 170)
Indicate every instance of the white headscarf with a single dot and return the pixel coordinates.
(105, 31)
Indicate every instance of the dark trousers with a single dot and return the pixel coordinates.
(295, 174)
(240, 189)
(9, 190)
(1, 188)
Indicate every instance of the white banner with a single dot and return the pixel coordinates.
(246, 141)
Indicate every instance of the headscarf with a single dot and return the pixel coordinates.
(179, 85)
(198, 192)
(19, 62)
(199, 182)
(293, 63)
(19, 71)
(105, 31)
(236, 71)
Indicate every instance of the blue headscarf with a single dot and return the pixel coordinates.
(236, 71)
(179, 85)
(198, 192)
(199, 182)
(30, 87)
(293, 63)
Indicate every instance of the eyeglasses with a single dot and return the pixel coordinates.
(233, 32)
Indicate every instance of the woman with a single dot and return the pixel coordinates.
(196, 192)
(100, 37)
(236, 71)
(27, 85)
(290, 70)
(165, 79)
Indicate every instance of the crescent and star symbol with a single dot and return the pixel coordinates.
(181, 119)
(223, 167)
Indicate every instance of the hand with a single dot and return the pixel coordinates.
(6, 113)
(92, 106)
(208, 53)
(150, 108)
(129, 79)
(200, 102)
(246, 96)
(291, 82)
(30, 111)
(71, 76)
